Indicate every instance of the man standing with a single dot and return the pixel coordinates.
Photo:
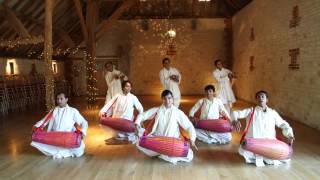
(170, 79)
(113, 78)
(223, 76)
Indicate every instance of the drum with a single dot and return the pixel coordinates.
(118, 124)
(169, 146)
(269, 148)
(58, 138)
(215, 125)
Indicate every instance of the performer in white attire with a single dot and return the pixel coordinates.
(64, 118)
(168, 118)
(223, 76)
(210, 107)
(122, 106)
(113, 79)
(263, 125)
(170, 79)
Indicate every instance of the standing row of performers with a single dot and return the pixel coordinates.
(168, 119)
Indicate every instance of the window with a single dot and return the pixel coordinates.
(54, 68)
(12, 67)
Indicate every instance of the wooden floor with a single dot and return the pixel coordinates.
(18, 160)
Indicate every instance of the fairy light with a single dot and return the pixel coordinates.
(11, 44)
(169, 34)
(49, 80)
(91, 78)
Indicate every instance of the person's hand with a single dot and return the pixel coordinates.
(194, 120)
(193, 145)
(136, 129)
(175, 78)
(223, 115)
(34, 128)
(290, 140)
(102, 114)
(82, 136)
(236, 125)
(116, 76)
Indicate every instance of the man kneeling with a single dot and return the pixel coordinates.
(261, 123)
(167, 120)
(210, 108)
(62, 118)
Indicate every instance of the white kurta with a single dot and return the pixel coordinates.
(167, 122)
(263, 126)
(64, 119)
(114, 85)
(122, 106)
(171, 85)
(210, 109)
(225, 91)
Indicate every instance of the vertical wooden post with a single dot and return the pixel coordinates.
(91, 52)
(49, 81)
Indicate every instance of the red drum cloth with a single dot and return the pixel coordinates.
(173, 147)
(118, 124)
(269, 148)
(216, 125)
(58, 138)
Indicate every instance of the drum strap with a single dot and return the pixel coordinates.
(221, 115)
(246, 131)
(49, 117)
(112, 104)
(148, 128)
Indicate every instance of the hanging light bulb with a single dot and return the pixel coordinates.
(171, 33)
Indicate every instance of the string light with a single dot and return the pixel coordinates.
(91, 78)
(10, 44)
(34, 40)
(49, 80)
(168, 33)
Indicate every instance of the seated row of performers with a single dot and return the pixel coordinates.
(169, 121)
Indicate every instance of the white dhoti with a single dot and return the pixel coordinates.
(213, 137)
(120, 135)
(59, 152)
(258, 160)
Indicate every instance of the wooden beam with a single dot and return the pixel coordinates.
(59, 30)
(15, 22)
(78, 6)
(47, 51)
(66, 38)
(91, 51)
(106, 24)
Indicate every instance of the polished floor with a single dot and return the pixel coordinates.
(114, 160)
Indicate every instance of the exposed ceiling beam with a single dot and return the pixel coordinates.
(106, 24)
(78, 6)
(66, 38)
(14, 21)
